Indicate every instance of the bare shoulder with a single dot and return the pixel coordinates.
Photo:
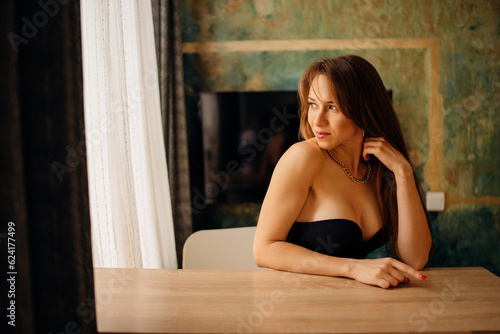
(304, 156)
(306, 149)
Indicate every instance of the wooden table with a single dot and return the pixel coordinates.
(268, 301)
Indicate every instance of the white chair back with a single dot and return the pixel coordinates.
(229, 248)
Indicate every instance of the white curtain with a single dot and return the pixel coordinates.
(131, 212)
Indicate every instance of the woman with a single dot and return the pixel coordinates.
(348, 187)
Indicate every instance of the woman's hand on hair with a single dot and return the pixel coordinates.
(388, 155)
(384, 272)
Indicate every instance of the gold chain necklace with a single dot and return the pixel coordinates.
(348, 173)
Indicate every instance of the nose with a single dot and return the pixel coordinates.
(319, 119)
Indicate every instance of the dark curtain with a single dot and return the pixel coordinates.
(166, 16)
(44, 195)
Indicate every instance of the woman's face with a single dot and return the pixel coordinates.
(330, 126)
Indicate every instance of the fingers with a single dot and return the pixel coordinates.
(376, 145)
(388, 155)
(387, 275)
(373, 145)
(397, 275)
(392, 275)
(403, 267)
(388, 281)
(366, 154)
(383, 283)
(385, 272)
(391, 280)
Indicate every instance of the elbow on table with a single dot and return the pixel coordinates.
(259, 256)
(418, 263)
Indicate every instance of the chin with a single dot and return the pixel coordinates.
(323, 145)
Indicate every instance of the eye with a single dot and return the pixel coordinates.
(312, 105)
(332, 107)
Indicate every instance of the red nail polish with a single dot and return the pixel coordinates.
(422, 277)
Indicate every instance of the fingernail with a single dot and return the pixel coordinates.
(422, 277)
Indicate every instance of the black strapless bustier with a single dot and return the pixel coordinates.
(335, 237)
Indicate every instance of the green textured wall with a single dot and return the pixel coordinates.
(464, 121)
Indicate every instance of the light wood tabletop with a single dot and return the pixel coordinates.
(268, 301)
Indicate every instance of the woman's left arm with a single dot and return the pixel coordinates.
(414, 237)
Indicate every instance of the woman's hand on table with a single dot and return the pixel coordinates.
(384, 272)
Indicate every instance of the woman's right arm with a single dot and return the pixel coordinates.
(288, 190)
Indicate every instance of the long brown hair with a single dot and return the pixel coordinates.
(359, 93)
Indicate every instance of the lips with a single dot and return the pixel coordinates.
(321, 134)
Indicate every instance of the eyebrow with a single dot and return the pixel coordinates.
(310, 98)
